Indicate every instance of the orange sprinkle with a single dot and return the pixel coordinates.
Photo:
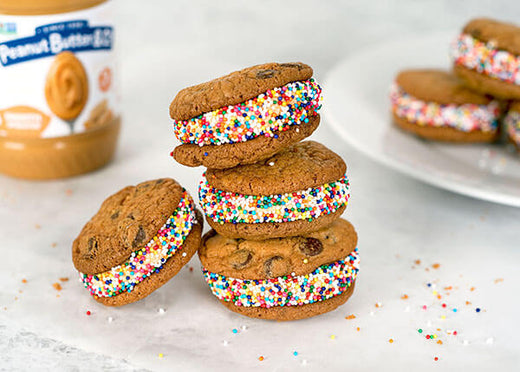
(57, 286)
(64, 279)
(448, 288)
(498, 280)
(24, 281)
(468, 303)
(391, 340)
(404, 297)
(439, 342)
(351, 316)
(358, 329)
(439, 297)
(54, 245)
(436, 265)
(378, 304)
(260, 358)
(417, 262)
(472, 289)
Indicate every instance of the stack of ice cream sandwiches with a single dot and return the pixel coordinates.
(476, 101)
(278, 247)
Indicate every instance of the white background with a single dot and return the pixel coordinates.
(167, 45)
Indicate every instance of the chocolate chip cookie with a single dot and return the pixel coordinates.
(246, 116)
(300, 189)
(138, 240)
(486, 56)
(283, 278)
(436, 105)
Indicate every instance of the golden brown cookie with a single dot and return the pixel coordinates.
(235, 88)
(140, 238)
(66, 88)
(436, 105)
(256, 149)
(298, 190)
(264, 259)
(286, 278)
(487, 57)
(245, 116)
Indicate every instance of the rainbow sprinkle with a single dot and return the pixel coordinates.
(486, 58)
(512, 124)
(265, 115)
(149, 259)
(322, 284)
(228, 207)
(466, 118)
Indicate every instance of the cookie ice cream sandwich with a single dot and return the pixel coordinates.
(285, 278)
(487, 56)
(436, 105)
(138, 240)
(299, 190)
(246, 116)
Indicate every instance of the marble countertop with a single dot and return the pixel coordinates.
(416, 242)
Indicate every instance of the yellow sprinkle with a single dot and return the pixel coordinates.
(434, 292)
(332, 337)
(161, 355)
(443, 316)
(305, 260)
(391, 340)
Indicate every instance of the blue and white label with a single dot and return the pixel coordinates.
(48, 40)
(31, 47)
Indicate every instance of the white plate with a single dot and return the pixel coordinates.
(358, 108)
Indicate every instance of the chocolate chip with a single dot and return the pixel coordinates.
(241, 258)
(297, 65)
(159, 181)
(92, 248)
(131, 216)
(276, 266)
(311, 247)
(139, 237)
(114, 215)
(475, 33)
(92, 245)
(265, 74)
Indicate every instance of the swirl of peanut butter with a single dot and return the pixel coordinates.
(66, 87)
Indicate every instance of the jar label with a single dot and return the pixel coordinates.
(57, 73)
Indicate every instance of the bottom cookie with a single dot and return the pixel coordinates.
(487, 85)
(170, 268)
(286, 313)
(445, 134)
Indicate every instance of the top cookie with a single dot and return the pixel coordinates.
(438, 86)
(505, 36)
(235, 88)
(298, 167)
(126, 222)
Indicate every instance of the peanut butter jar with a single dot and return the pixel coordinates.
(59, 102)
